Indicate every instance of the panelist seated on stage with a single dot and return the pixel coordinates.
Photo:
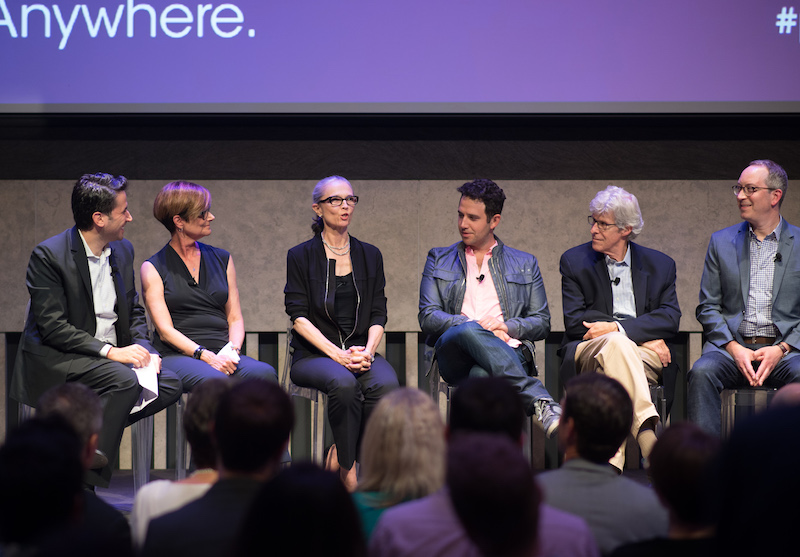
(620, 306)
(335, 298)
(85, 322)
(190, 292)
(482, 304)
(749, 298)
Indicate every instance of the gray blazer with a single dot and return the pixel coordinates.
(725, 283)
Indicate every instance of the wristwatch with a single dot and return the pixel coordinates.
(198, 352)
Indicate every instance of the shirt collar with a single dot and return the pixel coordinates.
(626, 261)
(777, 230)
(89, 253)
(469, 251)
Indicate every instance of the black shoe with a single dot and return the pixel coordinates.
(99, 460)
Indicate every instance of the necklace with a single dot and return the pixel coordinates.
(344, 250)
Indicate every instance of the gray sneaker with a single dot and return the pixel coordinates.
(548, 411)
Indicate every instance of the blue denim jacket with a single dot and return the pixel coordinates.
(516, 277)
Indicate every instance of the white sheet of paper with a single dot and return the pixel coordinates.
(228, 351)
(148, 379)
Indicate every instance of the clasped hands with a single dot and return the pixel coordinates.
(357, 359)
(765, 360)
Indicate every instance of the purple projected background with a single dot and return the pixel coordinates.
(402, 56)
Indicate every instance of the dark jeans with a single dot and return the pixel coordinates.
(715, 371)
(469, 350)
(351, 398)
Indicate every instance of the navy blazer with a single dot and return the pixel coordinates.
(61, 322)
(586, 296)
(726, 281)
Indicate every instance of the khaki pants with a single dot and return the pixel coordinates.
(617, 356)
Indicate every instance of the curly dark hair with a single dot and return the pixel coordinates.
(486, 191)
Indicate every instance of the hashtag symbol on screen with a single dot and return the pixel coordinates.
(786, 20)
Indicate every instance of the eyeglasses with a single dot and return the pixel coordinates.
(601, 225)
(337, 201)
(748, 190)
(204, 214)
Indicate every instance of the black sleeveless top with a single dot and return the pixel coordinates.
(197, 308)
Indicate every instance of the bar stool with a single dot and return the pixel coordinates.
(740, 404)
(317, 398)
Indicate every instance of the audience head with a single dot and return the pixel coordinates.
(680, 466)
(493, 492)
(95, 193)
(403, 448)
(788, 395)
(776, 176)
(252, 426)
(758, 477)
(180, 199)
(303, 496)
(319, 194)
(78, 404)
(488, 193)
(623, 205)
(597, 415)
(198, 420)
(487, 404)
(40, 480)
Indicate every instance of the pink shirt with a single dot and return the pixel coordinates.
(480, 297)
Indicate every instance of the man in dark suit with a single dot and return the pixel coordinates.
(749, 298)
(85, 323)
(620, 307)
(251, 432)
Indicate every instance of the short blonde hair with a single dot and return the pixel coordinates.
(185, 199)
(403, 451)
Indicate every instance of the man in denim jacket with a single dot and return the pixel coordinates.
(483, 304)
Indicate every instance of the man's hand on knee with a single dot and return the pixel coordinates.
(599, 329)
(661, 349)
(135, 355)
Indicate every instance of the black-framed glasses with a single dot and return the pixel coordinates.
(748, 190)
(337, 201)
(601, 225)
(204, 214)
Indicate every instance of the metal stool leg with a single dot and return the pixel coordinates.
(142, 449)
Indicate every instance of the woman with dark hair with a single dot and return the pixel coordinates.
(334, 297)
(191, 294)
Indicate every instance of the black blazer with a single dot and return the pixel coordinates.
(586, 296)
(60, 325)
(310, 288)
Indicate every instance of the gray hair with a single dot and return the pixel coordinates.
(624, 205)
(776, 176)
(317, 225)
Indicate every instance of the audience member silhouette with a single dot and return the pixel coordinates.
(402, 454)
(680, 467)
(597, 415)
(493, 493)
(431, 525)
(162, 496)
(81, 408)
(305, 510)
(251, 432)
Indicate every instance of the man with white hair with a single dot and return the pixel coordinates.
(620, 306)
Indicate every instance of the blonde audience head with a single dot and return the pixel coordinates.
(403, 449)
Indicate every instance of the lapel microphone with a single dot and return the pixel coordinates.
(615, 282)
(192, 282)
(778, 257)
(480, 278)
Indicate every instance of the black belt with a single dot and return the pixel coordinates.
(759, 340)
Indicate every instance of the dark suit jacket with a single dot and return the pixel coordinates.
(206, 527)
(586, 295)
(60, 325)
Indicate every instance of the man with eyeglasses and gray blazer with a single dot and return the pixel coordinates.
(749, 298)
